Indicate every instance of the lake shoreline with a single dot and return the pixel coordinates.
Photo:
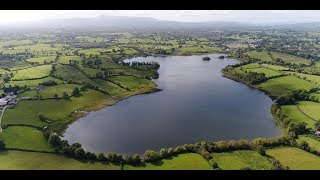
(157, 90)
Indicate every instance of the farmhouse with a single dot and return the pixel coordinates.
(9, 100)
(317, 133)
(3, 102)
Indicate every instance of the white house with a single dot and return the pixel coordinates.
(3, 102)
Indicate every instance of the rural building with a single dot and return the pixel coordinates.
(40, 88)
(3, 102)
(317, 133)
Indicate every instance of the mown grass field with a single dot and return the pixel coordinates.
(67, 73)
(295, 159)
(311, 109)
(190, 161)
(239, 159)
(33, 83)
(113, 89)
(296, 116)
(66, 59)
(282, 85)
(19, 160)
(50, 91)
(23, 137)
(33, 72)
(263, 55)
(26, 112)
(313, 143)
(290, 58)
(133, 83)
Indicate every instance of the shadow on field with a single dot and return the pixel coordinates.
(138, 165)
(157, 163)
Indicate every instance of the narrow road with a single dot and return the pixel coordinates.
(1, 117)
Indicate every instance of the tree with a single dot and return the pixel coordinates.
(75, 91)
(2, 144)
(317, 125)
(114, 157)
(304, 145)
(213, 164)
(261, 150)
(55, 95)
(170, 151)
(79, 153)
(136, 158)
(54, 139)
(299, 128)
(101, 157)
(150, 155)
(43, 118)
(65, 95)
(90, 155)
(163, 152)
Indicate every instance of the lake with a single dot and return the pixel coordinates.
(196, 104)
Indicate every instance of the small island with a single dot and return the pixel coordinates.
(206, 58)
(221, 57)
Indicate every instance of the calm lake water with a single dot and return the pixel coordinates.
(196, 104)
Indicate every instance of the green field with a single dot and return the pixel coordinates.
(239, 159)
(282, 85)
(295, 159)
(25, 138)
(312, 78)
(268, 72)
(68, 73)
(90, 71)
(315, 96)
(317, 64)
(290, 58)
(311, 109)
(295, 115)
(33, 83)
(26, 112)
(42, 60)
(190, 161)
(34, 72)
(275, 67)
(134, 83)
(113, 89)
(66, 59)
(19, 160)
(50, 91)
(311, 141)
(191, 50)
(263, 55)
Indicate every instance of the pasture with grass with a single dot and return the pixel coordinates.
(50, 79)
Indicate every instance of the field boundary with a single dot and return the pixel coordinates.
(306, 114)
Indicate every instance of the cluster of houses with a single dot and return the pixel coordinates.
(9, 100)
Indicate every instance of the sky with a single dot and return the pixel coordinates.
(248, 16)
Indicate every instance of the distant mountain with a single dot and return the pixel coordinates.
(309, 26)
(118, 23)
